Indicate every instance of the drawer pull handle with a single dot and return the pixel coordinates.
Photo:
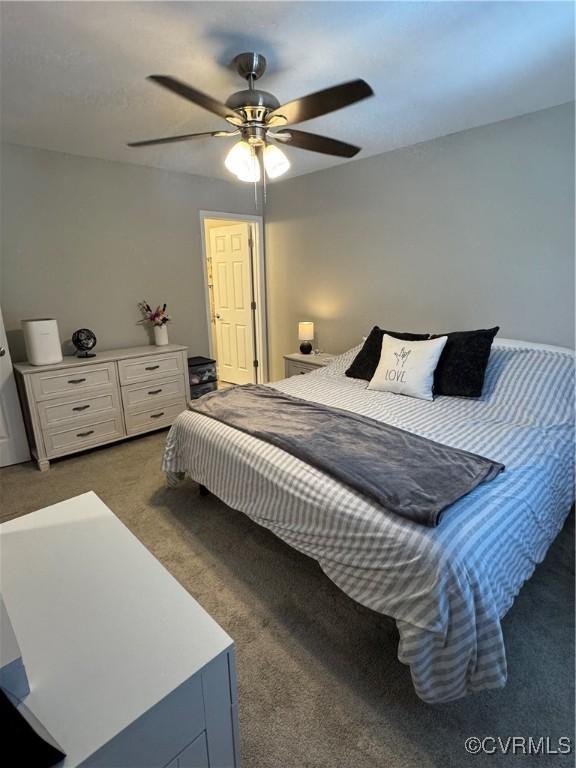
(154, 391)
(156, 415)
(85, 434)
(80, 407)
(76, 381)
(152, 367)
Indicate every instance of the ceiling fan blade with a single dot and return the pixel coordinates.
(321, 102)
(197, 97)
(184, 137)
(315, 143)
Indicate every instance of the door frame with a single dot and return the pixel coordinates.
(259, 271)
(15, 450)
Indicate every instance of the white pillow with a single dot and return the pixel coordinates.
(407, 367)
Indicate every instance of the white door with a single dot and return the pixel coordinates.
(232, 296)
(13, 443)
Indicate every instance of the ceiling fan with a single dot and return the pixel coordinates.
(254, 114)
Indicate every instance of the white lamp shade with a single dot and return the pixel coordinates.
(275, 161)
(242, 162)
(305, 331)
(253, 174)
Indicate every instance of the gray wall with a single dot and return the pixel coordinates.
(83, 240)
(471, 230)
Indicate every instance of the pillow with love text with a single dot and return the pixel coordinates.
(407, 367)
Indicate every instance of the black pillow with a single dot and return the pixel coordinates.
(366, 361)
(462, 365)
(19, 738)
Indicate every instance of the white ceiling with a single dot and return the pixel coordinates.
(73, 73)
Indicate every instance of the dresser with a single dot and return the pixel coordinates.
(82, 403)
(124, 667)
(297, 363)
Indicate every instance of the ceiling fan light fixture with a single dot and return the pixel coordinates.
(275, 161)
(242, 162)
(253, 175)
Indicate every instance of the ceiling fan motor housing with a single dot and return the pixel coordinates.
(254, 100)
(254, 105)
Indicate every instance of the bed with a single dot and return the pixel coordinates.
(447, 587)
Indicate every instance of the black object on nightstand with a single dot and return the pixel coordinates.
(202, 376)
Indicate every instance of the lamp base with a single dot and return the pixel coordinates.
(305, 347)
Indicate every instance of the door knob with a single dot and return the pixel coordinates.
(2, 351)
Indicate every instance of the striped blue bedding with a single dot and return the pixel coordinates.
(447, 587)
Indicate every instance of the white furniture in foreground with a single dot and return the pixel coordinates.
(298, 363)
(125, 668)
(13, 678)
(82, 403)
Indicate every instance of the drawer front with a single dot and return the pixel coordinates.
(153, 418)
(72, 411)
(60, 441)
(200, 374)
(162, 735)
(149, 368)
(296, 369)
(73, 380)
(166, 390)
(201, 389)
(194, 756)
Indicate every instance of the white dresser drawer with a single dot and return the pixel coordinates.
(149, 368)
(73, 380)
(295, 369)
(70, 411)
(166, 390)
(194, 756)
(153, 418)
(165, 730)
(296, 364)
(60, 441)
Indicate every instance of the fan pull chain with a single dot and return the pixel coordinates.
(260, 160)
(254, 154)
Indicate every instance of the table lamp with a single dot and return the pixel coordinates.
(305, 335)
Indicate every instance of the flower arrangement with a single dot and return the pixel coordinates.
(156, 317)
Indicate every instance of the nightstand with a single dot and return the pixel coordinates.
(297, 363)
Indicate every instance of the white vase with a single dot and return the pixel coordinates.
(161, 335)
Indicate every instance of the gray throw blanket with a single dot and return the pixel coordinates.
(405, 473)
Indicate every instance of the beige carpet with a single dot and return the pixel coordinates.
(319, 682)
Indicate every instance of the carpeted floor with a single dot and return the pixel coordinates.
(319, 682)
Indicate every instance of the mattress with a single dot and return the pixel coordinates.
(447, 587)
